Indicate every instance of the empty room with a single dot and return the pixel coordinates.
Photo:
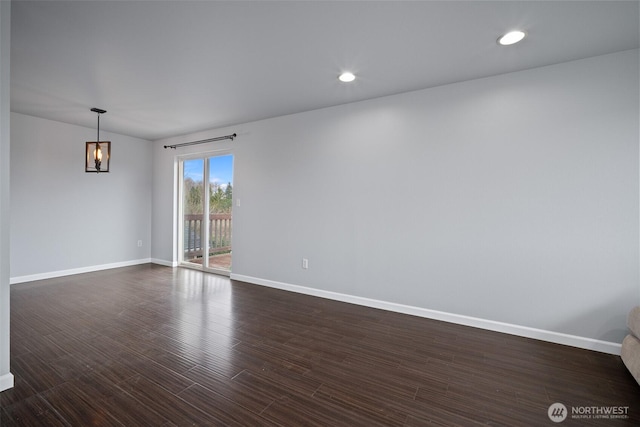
(332, 213)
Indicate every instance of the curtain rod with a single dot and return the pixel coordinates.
(202, 141)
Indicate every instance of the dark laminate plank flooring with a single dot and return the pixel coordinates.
(154, 346)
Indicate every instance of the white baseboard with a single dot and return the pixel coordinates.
(6, 381)
(61, 273)
(523, 331)
(164, 262)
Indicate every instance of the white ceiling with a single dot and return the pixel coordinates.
(166, 68)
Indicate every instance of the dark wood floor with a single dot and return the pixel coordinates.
(154, 346)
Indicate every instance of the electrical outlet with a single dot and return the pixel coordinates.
(139, 243)
(305, 263)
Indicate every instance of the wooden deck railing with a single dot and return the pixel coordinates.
(219, 234)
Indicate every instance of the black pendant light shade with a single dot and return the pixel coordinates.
(97, 153)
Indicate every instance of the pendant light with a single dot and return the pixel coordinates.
(97, 153)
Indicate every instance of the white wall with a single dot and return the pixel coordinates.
(510, 199)
(64, 220)
(6, 379)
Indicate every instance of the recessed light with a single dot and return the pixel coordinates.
(511, 37)
(346, 77)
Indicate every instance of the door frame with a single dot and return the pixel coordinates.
(204, 228)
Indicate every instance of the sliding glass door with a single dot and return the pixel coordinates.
(206, 185)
